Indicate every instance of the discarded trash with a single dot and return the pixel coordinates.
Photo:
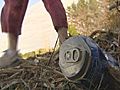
(83, 61)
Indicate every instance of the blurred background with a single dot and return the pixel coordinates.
(35, 33)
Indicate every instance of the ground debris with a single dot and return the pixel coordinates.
(34, 73)
(109, 41)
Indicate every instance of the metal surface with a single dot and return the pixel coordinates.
(74, 57)
(82, 60)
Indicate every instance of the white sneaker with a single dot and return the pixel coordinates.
(9, 58)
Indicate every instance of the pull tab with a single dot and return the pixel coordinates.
(72, 55)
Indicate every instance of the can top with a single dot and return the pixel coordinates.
(74, 57)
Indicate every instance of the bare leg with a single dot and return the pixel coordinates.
(62, 34)
(12, 41)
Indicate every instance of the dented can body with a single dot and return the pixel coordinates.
(82, 60)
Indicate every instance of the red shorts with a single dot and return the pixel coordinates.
(14, 10)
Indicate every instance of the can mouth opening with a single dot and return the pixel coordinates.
(83, 71)
(73, 55)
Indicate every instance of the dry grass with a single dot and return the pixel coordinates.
(34, 73)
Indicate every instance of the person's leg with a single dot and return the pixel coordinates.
(62, 34)
(58, 15)
(11, 22)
